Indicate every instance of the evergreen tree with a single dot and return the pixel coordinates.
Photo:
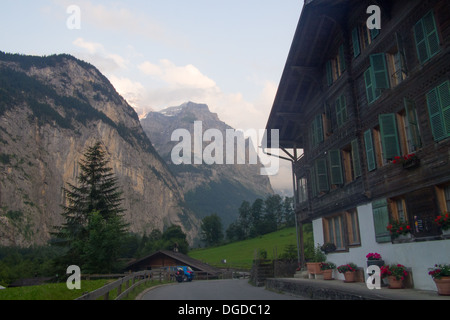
(211, 230)
(94, 225)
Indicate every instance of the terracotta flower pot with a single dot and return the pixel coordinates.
(328, 274)
(313, 267)
(394, 283)
(443, 286)
(350, 276)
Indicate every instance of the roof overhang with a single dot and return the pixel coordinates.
(303, 70)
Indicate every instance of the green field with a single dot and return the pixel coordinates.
(241, 254)
(59, 291)
(52, 291)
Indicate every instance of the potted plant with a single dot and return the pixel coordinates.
(313, 266)
(328, 247)
(374, 259)
(441, 277)
(395, 273)
(443, 221)
(399, 229)
(349, 271)
(407, 161)
(327, 269)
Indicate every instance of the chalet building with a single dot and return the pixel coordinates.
(353, 102)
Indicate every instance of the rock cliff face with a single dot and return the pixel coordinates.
(51, 109)
(208, 189)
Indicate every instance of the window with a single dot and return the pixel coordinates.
(398, 209)
(414, 141)
(342, 229)
(395, 66)
(302, 190)
(341, 110)
(362, 37)
(353, 227)
(334, 231)
(316, 131)
(438, 100)
(426, 38)
(321, 170)
(352, 165)
(443, 195)
(336, 66)
(379, 156)
(376, 77)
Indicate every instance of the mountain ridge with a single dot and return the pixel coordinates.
(208, 189)
(51, 109)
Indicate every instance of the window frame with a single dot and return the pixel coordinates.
(342, 229)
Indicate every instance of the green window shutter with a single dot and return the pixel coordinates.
(336, 167)
(435, 114)
(329, 73)
(444, 100)
(369, 86)
(389, 136)
(380, 71)
(313, 133)
(421, 44)
(341, 110)
(374, 33)
(431, 33)
(313, 182)
(370, 150)
(413, 124)
(355, 159)
(319, 128)
(322, 175)
(355, 40)
(381, 220)
(342, 58)
(426, 37)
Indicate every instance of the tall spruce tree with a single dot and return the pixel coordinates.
(94, 224)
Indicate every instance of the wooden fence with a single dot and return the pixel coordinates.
(123, 285)
(128, 282)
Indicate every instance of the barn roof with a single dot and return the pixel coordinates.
(182, 258)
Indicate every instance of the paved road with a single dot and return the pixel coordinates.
(214, 290)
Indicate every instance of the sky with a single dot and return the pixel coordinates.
(161, 53)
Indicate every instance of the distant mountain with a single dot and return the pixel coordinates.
(208, 189)
(51, 109)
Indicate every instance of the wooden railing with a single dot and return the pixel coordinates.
(128, 282)
(123, 285)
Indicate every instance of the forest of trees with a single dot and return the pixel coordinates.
(260, 217)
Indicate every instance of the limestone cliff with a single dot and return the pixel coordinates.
(51, 109)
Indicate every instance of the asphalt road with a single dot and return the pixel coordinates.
(214, 290)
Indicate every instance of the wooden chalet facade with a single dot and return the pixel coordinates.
(355, 100)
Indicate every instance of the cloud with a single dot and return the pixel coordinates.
(98, 55)
(177, 76)
(132, 91)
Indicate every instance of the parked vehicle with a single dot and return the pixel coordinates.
(180, 273)
(189, 274)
